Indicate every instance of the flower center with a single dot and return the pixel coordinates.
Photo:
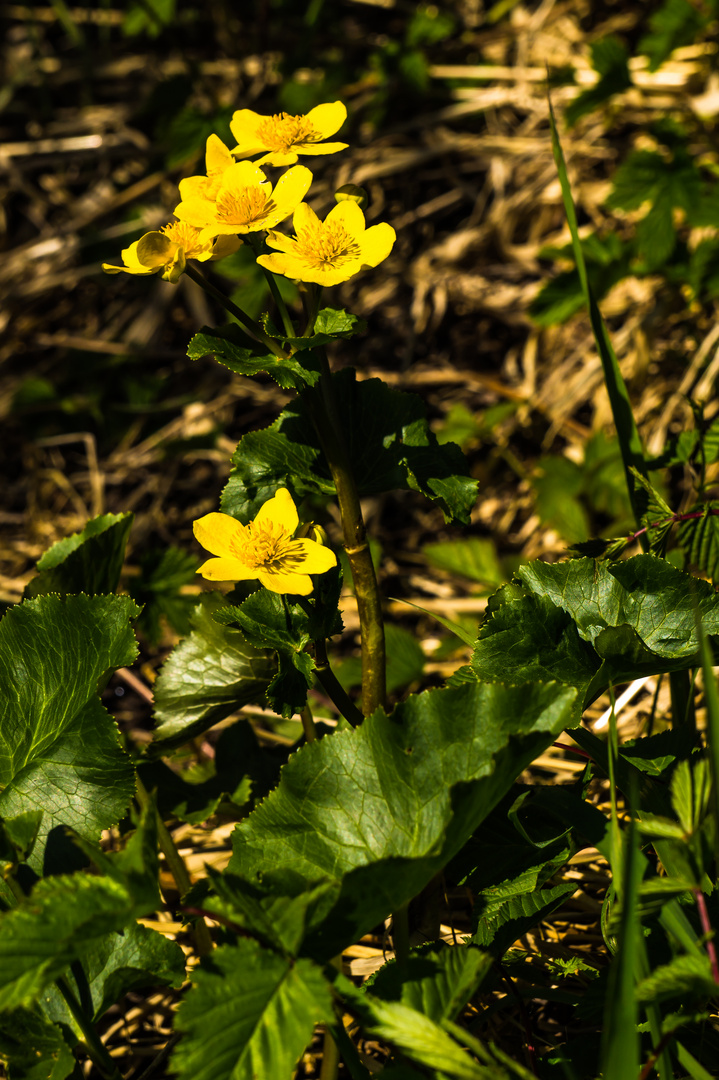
(243, 207)
(283, 131)
(184, 235)
(327, 245)
(265, 546)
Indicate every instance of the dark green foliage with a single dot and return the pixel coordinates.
(610, 61)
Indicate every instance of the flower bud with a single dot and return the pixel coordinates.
(352, 193)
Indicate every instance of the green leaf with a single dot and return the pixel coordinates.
(610, 61)
(60, 922)
(380, 809)
(676, 23)
(114, 965)
(390, 446)
(475, 558)
(658, 517)
(250, 1013)
(89, 561)
(18, 836)
(557, 488)
(421, 1040)
(229, 345)
(438, 984)
(33, 1047)
(271, 620)
(59, 748)
(683, 977)
(503, 917)
(590, 624)
(163, 572)
(211, 674)
(699, 539)
(329, 325)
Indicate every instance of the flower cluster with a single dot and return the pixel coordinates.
(235, 198)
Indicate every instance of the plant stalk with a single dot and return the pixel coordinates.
(274, 289)
(168, 847)
(308, 724)
(327, 421)
(333, 687)
(96, 1048)
(249, 324)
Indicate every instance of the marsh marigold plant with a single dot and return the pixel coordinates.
(167, 250)
(264, 549)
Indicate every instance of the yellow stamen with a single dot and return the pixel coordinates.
(326, 245)
(266, 546)
(182, 234)
(282, 131)
(245, 207)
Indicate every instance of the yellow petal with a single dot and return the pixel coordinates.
(243, 125)
(348, 214)
(223, 246)
(155, 249)
(226, 570)
(290, 190)
(217, 532)
(217, 156)
(242, 174)
(327, 119)
(280, 241)
(195, 211)
(281, 510)
(176, 268)
(194, 187)
(278, 158)
(316, 558)
(377, 243)
(284, 582)
(132, 264)
(277, 264)
(305, 218)
(320, 148)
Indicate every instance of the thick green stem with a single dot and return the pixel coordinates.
(249, 324)
(313, 306)
(256, 246)
(330, 1058)
(308, 724)
(333, 687)
(326, 418)
(96, 1048)
(201, 933)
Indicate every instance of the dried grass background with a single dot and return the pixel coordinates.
(465, 175)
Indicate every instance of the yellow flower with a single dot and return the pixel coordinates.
(168, 250)
(263, 549)
(217, 160)
(328, 251)
(285, 136)
(245, 201)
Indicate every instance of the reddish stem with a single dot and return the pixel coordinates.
(573, 750)
(708, 933)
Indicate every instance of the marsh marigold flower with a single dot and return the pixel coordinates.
(264, 549)
(217, 160)
(245, 201)
(166, 252)
(327, 252)
(283, 136)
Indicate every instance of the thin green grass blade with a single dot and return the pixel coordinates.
(620, 1039)
(690, 1063)
(627, 432)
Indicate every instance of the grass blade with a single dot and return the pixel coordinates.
(627, 432)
